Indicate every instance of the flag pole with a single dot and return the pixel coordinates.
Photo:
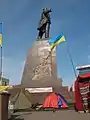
(70, 56)
(1, 53)
(1, 66)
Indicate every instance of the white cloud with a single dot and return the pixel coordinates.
(13, 69)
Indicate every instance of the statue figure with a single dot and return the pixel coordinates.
(44, 23)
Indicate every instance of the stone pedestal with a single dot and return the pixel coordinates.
(39, 72)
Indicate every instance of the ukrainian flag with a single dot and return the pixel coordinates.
(3, 88)
(56, 41)
(0, 34)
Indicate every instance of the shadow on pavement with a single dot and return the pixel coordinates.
(16, 117)
(19, 116)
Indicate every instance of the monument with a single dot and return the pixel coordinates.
(40, 71)
(44, 23)
(40, 68)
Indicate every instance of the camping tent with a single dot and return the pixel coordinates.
(21, 101)
(55, 100)
(20, 98)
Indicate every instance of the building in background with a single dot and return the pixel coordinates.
(83, 69)
(4, 81)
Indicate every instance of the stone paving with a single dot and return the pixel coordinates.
(50, 115)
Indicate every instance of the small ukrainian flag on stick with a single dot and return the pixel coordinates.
(56, 41)
(1, 34)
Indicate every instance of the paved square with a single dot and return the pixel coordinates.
(49, 115)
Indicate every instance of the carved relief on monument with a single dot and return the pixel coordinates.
(43, 69)
(43, 51)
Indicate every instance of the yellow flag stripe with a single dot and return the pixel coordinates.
(3, 88)
(60, 41)
(57, 43)
(0, 39)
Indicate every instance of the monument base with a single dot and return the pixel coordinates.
(40, 72)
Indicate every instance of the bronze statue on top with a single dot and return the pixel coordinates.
(44, 23)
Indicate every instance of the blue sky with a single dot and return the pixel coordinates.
(20, 19)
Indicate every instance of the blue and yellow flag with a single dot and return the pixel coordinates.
(0, 34)
(56, 41)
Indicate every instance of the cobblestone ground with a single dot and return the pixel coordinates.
(49, 115)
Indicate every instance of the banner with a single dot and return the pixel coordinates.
(40, 90)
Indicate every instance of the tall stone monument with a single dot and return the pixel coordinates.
(39, 71)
